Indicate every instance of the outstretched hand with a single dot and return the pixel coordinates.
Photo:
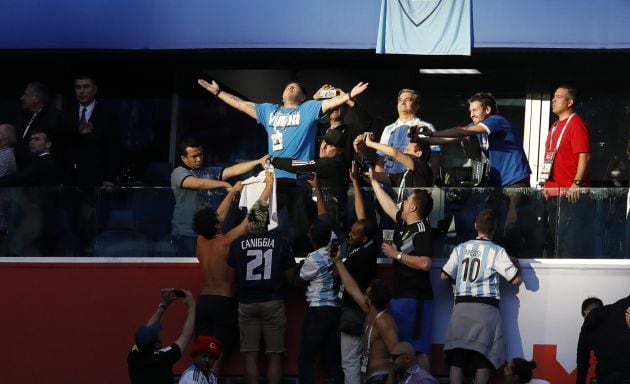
(210, 87)
(358, 89)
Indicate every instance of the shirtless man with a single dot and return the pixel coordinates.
(217, 308)
(380, 335)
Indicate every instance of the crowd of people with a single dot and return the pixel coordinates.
(361, 328)
(80, 147)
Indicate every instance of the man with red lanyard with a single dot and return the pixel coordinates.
(567, 153)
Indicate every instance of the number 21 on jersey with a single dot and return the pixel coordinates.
(259, 258)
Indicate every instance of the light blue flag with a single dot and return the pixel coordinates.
(425, 27)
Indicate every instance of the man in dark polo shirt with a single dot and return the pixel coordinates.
(412, 298)
(148, 361)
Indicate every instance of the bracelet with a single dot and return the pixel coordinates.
(218, 93)
(163, 306)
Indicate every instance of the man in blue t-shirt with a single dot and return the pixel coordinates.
(508, 164)
(263, 264)
(292, 129)
(292, 125)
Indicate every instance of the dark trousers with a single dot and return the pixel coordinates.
(320, 335)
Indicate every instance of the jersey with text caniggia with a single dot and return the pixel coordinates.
(260, 262)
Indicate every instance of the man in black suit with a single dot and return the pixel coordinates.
(32, 220)
(39, 117)
(43, 169)
(92, 157)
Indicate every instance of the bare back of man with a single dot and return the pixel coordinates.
(218, 277)
(384, 337)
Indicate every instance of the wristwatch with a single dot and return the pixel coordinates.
(399, 256)
(577, 182)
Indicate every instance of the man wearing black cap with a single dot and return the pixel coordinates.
(147, 361)
(331, 171)
(205, 352)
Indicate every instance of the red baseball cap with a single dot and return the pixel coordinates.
(206, 344)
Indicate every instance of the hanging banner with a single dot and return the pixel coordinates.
(425, 27)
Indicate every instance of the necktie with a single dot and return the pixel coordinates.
(83, 120)
(28, 126)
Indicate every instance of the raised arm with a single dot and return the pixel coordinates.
(167, 298)
(242, 168)
(329, 104)
(189, 324)
(359, 207)
(264, 195)
(350, 285)
(235, 102)
(386, 202)
(321, 205)
(224, 207)
(405, 160)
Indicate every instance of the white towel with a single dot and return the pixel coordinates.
(252, 188)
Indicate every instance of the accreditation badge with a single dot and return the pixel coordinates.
(276, 141)
(547, 164)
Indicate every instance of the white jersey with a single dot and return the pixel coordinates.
(318, 270)
(193, 375)
(476, 265)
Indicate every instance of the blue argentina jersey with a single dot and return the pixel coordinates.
(476, 265)
(298, 127)
(318, 271)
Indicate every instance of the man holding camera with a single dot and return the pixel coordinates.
(415, 159)
(149, 362)
(337, 121)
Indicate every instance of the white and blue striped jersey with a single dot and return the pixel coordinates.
(318, 271)
(193, 375)
(476, 265)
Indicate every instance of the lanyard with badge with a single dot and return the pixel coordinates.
(281, 123)
(366, 354)
(550, 154)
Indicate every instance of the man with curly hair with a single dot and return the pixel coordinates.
(216, 308)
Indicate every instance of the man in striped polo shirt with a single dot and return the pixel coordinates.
(319, 331)
(474, 267)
